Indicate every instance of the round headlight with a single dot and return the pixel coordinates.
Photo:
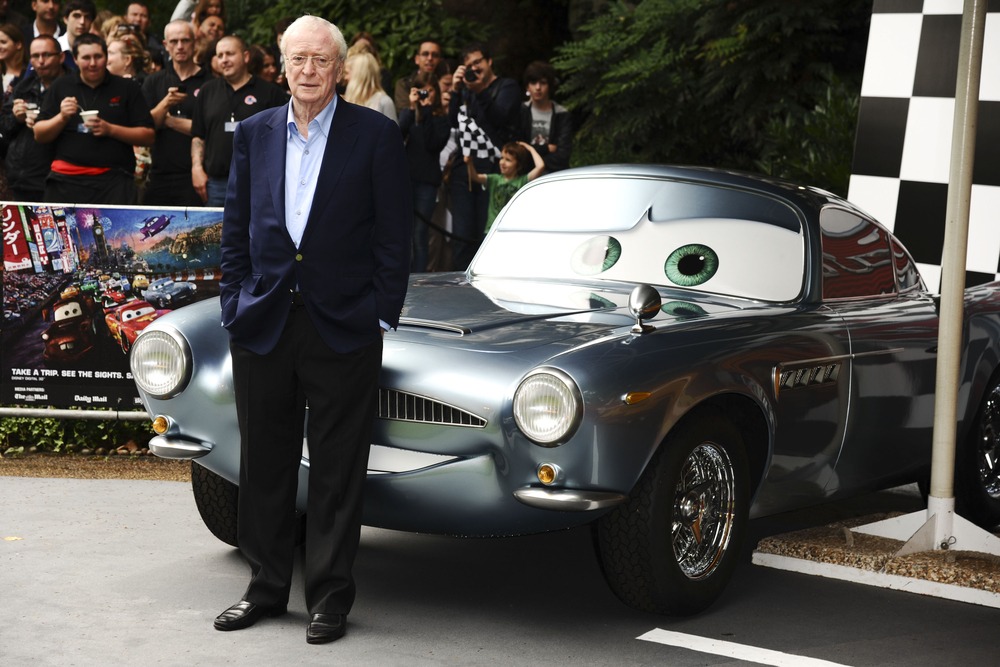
(161, 363)
(547, 406)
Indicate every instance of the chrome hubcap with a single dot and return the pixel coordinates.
(704, 510)
(989, 445)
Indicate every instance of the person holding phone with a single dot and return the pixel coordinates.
(170, 94)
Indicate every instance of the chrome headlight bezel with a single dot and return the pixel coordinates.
(162, 352)
(548, 406)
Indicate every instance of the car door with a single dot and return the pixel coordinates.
(871, 282)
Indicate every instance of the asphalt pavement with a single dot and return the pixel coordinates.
(116, 572)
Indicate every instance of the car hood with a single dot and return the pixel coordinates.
(504, 314)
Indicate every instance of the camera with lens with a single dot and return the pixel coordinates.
(423, 94)
(471, 75)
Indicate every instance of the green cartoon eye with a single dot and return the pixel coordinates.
(690, 265)
(596, 255)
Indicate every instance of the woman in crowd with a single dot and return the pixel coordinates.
(12, 57)
(263, 64)
(363, 84)
(206, 8)
(213, 27)
(127, 58)
(426, 130)
(363, 42)
(542, 122)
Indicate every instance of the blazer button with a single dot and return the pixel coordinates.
(298, 257)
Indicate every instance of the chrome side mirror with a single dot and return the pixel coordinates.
(643, 303)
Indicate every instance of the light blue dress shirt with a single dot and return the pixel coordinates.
(303, 158)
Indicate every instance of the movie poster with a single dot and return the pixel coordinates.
(80, 283)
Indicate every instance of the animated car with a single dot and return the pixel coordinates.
(71, 335)
(126, 321)
(662, 353)
(166, 293)
(154, 225)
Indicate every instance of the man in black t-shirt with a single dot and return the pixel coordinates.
(171, 95)
(28, 161)
(95, 118)
(222, 103)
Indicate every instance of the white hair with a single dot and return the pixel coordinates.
(309, 21)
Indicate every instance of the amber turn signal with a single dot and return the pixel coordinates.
(548, 473)
(160, 425)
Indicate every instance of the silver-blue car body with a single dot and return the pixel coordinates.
(660, 352)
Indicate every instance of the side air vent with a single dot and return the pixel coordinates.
(401, 406)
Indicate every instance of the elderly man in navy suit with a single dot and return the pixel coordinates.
(315, 261)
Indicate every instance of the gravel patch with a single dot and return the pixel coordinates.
(836, 544)
(77, 466)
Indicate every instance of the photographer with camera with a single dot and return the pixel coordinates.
(425, 128)
(170, 94)
(492, 102)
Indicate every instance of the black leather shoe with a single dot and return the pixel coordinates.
(243, 614)
(325, 628)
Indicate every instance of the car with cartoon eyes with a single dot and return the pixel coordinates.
(111, 298)
(659, 353)
(90, 286)
(70, 292)
(72, 334)
(125, 322)
(168, 293)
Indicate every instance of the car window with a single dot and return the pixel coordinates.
(668, 233)
(907, 274)
(857, 261)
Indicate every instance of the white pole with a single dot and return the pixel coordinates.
(940, 527)
(963, 149)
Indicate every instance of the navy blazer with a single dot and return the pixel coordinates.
(353, 261)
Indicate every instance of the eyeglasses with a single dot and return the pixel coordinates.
(474, 63)
(319, 62)
(43, 56)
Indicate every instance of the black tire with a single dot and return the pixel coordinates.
(218, 500)
(671, 548)
(977, 470)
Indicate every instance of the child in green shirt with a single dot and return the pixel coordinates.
(515, 171)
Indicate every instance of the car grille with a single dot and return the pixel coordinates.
(401, 406)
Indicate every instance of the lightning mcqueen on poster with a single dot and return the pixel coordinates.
(77, 287)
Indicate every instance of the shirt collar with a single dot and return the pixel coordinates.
(324, 118)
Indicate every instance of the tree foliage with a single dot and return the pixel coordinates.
(397, 25)
(748, 84)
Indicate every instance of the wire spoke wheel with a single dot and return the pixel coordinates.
(988, 447)
(704, 510)
(672, 547)
(977, 466)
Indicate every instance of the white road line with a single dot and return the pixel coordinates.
(762, 656)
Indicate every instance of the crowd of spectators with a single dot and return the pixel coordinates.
(98, 109)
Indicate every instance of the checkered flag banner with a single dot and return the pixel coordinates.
(471, 137)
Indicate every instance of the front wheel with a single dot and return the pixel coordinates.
(672, 547)
(218, 502)
(977, 469)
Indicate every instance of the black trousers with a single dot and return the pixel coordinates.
(170, 190)
(112, 187)
(272, 391)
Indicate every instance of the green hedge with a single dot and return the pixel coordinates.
(20, 435)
